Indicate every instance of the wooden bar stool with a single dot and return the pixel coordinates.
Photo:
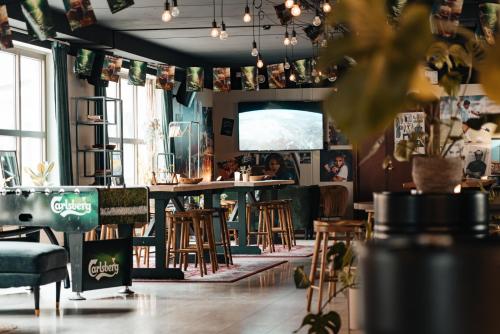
(207, 233)
(280, 222)
(289, 220)
(225, 239)
(109, 231)
(264, 230)
(325, 229)
(229, 205)
(184, 222)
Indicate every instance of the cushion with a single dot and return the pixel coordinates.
(30, 257)
(12, 280)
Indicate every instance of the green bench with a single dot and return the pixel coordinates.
(32, 264)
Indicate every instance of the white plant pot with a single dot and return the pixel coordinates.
(354, 308)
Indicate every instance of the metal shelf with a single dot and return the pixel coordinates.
(98, 150)
(91, 123)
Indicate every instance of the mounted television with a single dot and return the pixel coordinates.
(280, 126)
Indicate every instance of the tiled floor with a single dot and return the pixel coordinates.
(265, 303)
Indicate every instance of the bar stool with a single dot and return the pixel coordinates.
(89, 236)
(207, 233)
(225, 240)
(289, 220)
(229, 205)
(264, 230)
(280, 222)
(323, 229)
(109, 231)
(183, 222)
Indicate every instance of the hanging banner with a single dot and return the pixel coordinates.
(488, 19)
(302, 69)
(248, 78)
(165, 77)
(222, 79)
(39, 18)
(194, 79)
(110, 68)
(276, 76)
(117, 5)
(445, 17)
(84, 62)
(79, 13)
(137, 73)
(5, 31)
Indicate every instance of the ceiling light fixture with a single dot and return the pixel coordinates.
(317, 20)
(294, 40)
(247, 17)
(214, 32)
(166, 16)
(289, 3)
(175, 9)
(327, 7)
(296, 9)
(286, 41)
(260, 62)
(254, 52)
(292, 76)
(223, 33)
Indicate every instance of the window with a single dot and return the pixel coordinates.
(140, 108)
(22, 93)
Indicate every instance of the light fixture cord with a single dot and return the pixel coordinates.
(214, 9)
(222, 10)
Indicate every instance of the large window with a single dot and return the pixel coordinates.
(141, 106)
(22, 92)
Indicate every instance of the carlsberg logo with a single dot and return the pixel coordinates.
(72, 207)
(99, 270)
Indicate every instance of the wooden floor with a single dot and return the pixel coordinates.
(265, 303)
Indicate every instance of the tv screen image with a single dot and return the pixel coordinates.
(280, 126)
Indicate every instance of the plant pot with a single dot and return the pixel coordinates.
(355, 307)
(437, 175)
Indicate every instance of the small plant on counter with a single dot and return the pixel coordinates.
(41, 176)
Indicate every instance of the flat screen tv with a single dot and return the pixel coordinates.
(280, 126)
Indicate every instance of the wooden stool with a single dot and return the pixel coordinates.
(289, 220)
(351, 228)
(207, 232)
(279, 222)
(183, 222)
(109, 232)
(225, 240)
(265, 229)
(139, 250)
(90, 235)
(229, 205)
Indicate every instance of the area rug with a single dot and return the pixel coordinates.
(4, 329)
(281, 252)
(242, 268)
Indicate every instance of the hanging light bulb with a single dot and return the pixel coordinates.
(289, 3)
(317, 79)
(175, 9)
(214, 32)
(286, 41)
(287, 64)
(292, 77)
(260, 63)
(254, 52)
(223, 34)
(324, 43)
(327, 7)
(296, 9)
(317, 20)
(247, 17)
(294, 40)
(166, 16)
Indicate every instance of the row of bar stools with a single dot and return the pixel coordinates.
(326, 230)
(184, 222)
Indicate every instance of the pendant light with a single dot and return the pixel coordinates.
(247, 17)
(287, 64)
(175, 9)
(289, 3)
(317, 20)
(286, 41)
(223, 33)
(296, 8)
(294, 40)
(166, 16)
(260, 62)
(327, 7)
(255, 51)
(292, 76)
(214, 32)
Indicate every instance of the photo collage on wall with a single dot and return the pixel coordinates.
(79, 13)
(194, 79)
(5, 31)
(118, 5)
(276, 76)
(248, 78)
(110, 68)
(165, 77)
(39, 20)
(488, 21)
(84, 62)
(137, 73)
(410, 124)
(221, 79)
(445, 16)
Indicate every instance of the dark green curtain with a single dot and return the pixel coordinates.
(60, 53)
(99, 110)
(167, 116)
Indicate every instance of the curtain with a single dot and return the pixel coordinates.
(60, 53)
(167, 116)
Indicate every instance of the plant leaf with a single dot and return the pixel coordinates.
(489, 72)
(322, 323)
(300, 278)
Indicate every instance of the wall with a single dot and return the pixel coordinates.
(225, 105)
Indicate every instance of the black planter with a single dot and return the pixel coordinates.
(435, 270)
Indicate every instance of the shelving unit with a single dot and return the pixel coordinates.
(104, 157)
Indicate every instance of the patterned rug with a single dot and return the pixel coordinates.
(281, 252)
(242, 268)
(4, 329)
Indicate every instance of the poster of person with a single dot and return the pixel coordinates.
(445, 17)
(194, 79)
(335, 165)
(79, 13)
(276, 76)
(137, 73)
(488, 21)
(248, 78)
(222, 79)
(117, 5)
(477, 161)
(84, 62)
(335, 135)
(467, 107)
(39, 18)
(302, 68)
(5, 31)
(110, 68)
(207, 144)
(408, 123)
(280, 166)
(165, 77)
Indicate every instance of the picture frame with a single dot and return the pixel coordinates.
(226, 128)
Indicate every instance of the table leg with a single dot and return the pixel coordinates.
(243, 248)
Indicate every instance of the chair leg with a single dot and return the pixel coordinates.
(322, 270)
(36, 294)
(312, 273)
(58, 294)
